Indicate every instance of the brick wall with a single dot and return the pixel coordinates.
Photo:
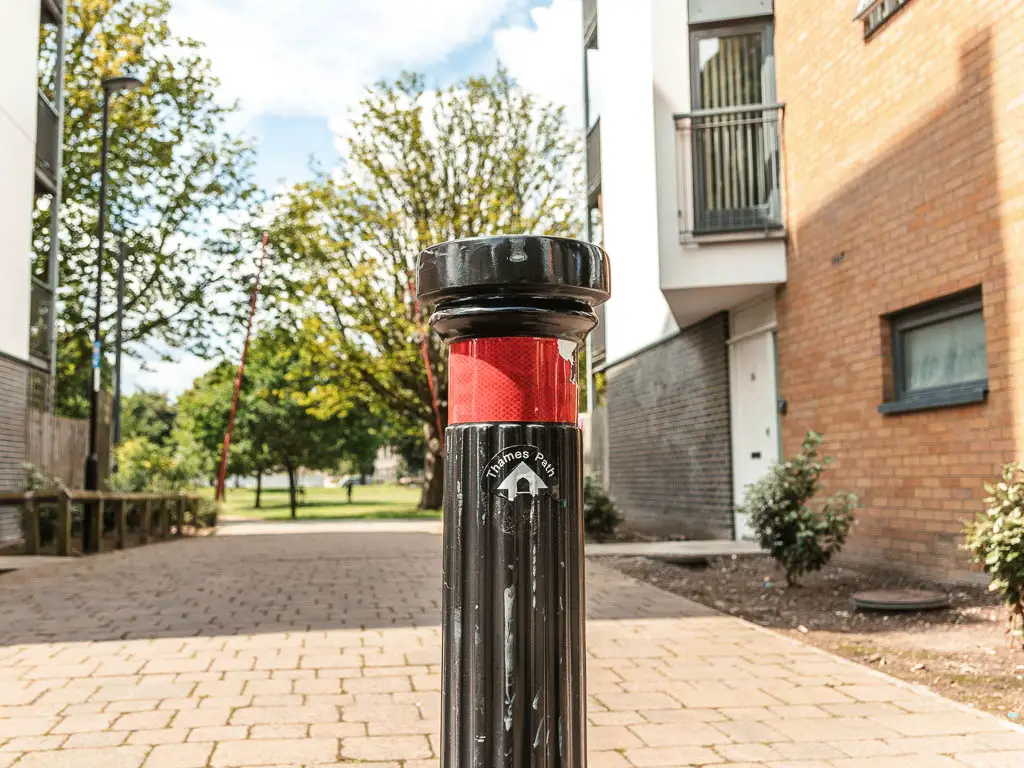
(670, 468)
(905, 154)
(13, 441)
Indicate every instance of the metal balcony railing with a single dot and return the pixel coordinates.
(730, 170)
(594, 159)
(47, 145)
(40, 329)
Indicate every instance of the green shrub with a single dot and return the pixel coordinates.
(208, 513)
(143, 465)
(996, 540)
(600, 517)
(799, 538)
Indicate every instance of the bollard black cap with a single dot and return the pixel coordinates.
(513, 285)
(513, 265)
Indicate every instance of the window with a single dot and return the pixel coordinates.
(874, 13)
(592, 76)
(938, 354)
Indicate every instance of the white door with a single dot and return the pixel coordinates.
(755, 437)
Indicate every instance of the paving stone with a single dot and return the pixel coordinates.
(673, 735)
(655, 757)
(218, 733)
(230, 754)
(179, 756)
(103, 757)
(25, 726)
(1011, 759)
(324, 649)
(366, 748)
(142, 721)
(95, 739)
(936, 724)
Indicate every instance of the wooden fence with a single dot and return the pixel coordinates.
(160, 514)
(58, 446)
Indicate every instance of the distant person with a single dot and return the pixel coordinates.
(348, 485)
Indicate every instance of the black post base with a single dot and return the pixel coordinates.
(513, 604)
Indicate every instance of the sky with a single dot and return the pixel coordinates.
(298, 69)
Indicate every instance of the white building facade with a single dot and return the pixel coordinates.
(685, 191)
(31, 104)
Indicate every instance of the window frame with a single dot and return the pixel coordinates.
(764, 26)
(873, 25)
(931, 313)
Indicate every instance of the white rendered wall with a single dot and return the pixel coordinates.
(637, 313)
(19, 40)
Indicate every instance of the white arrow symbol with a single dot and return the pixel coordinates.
(510, 485)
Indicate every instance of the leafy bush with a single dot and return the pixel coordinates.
(143, 465)
(996, 540)
(799, 538)
(208, 513)
(600, 517)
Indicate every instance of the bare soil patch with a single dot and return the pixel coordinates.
(961, 652)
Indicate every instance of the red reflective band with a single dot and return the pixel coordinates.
(512, 379)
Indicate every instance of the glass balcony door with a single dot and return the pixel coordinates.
(734, 130)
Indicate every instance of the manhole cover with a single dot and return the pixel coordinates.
(900, 600)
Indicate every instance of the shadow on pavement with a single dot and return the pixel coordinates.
(265, 583)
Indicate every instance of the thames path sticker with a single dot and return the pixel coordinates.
(520, 470)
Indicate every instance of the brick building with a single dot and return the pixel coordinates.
(31, 106)
(815, 212)
(685, 191)
(901, 324)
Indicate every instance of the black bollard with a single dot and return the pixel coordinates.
(514, 311)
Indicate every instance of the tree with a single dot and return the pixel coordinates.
(148, 414)
(277, 418)
(276, 426)
(179, 186)
(202, 420)
(480, 157)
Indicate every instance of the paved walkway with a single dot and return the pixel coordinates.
(675, 550)
(322, 649)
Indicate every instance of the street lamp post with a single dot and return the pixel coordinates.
(119, 332)
(92, 463)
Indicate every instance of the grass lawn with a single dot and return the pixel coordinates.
(369, 502)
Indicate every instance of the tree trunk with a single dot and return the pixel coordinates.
(433, 472)
(259, 487)
(291, 491)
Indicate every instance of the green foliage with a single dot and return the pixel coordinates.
(174, 169)
(147, 414)
(37, 480)
(202, 418)
(277, 424)
(480, 157)
(143, 465)
(799, 538)
(600, 517)
(996, 540)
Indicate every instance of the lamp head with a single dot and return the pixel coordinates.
(121, 83)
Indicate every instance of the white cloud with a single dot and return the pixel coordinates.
(548, 60)
(172, 377)
(315, 57)
(545, 58)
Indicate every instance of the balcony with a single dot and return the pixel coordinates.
(731, 223)
(593, 160)
(47, 146)
(730, 171)
(40, 330)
